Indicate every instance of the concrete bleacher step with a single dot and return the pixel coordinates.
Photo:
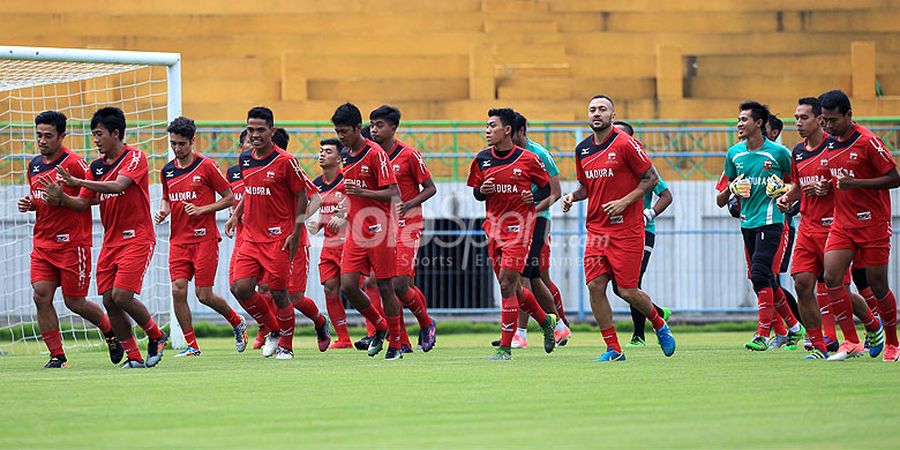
(763, 86)
(790, 64)
(622, 66)
(201, 68)
(218, 7)
(531, 70)
(502, 26)
(514, 6)
(400, 66)
(388, 89)
(515, 53)
(704, 5)
(565, 88)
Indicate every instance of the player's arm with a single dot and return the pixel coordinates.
(226, 200)
(236, 215)
(428, 191)
(293, 241)
(575, 196)
(164, 211)
(662, 202)
(552, 197)
(382, 195)
(116, 186)
(649, 178)
(890, 180)
(54, 195)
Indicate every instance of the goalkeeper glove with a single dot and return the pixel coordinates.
(775, 187)
(740, 186)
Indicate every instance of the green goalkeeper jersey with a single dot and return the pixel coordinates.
(757, 166)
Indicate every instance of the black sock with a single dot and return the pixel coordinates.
(638, 319)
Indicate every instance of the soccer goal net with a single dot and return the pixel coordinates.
(147, 87)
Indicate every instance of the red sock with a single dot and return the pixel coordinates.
(375, 300)
(338, 317)
(233, 318)
(765, 306)
(609, 336)
(270, 301)
(371, 315)
(529, 304)
(557, 299)
(827, 318)
(131, 349)
(816, 338)
(412, 302)
(285, 317)
(53, 341)
(153, 331)
(260, 310)
(404, 334)
(870, 321)
(655, 318)
(869, 296)
(395, 324)
(422, 302)
(308, 308)
(777, 325)
(509, 314)
(189, 338)
(784, 309)
(887, 309)
(104, 325)
(839, 304)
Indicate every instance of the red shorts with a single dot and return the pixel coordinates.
(198, 259)
(263, 261)
(809, 255)
(511, 256)
(299, 271)
(70, 268)
(617, 256)
(378, 257)
(871, 245)
(330, 262)
(123, 266)
(407, 249)
(545, 255)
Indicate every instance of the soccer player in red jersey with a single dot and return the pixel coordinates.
(614, 173)
(416, 187)
(273, 210)
(501, 176)
(119, 182)
(190, 183)
(863, 171)
(61, 251)
(371, 240)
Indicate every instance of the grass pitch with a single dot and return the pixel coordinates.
(711, 394)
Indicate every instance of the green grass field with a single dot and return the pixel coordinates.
(711, 394)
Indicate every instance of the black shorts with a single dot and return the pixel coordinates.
(538, 241)
(786, 261)
(765, 245)
(649, 241)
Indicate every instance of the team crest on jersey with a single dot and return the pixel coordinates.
(270, 175)
(197, 179)
(853, 155)
(397, 168)
(823, 162)
(364, 170)
(517, 172)
(767, 165)
(611, 156)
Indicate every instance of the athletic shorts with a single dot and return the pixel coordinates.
(513, 255)
(407, 250)
(537, 260)
(299, 271)
(197, 260)
(786, 260)
(619, 257)
(871, 245)
(265, 261)
(765, 245)
(330, 262)
(69, 268)
(378, 257)
(809, 255)
(123, 266)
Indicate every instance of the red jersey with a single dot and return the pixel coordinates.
(807, 167)
(369, 169)
(507, 217)
(332, 193)
(198, 184)
(722, 184)
(271, 184)
(126, 215)
(609, 171)
(58, 226)
(237, 189)
(862, 156)
(410, 171)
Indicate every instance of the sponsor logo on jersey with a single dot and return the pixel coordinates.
(599, 173)
(199, 232)
(274, 231)
(486, 163)
(36, 169)
(170, 174)
(358, 183)
(616, 219)
(506, 188)
(62, 238)
(257, 190)
(246, 163)
(128, 234)
(182, 196)
(863, 216)
(107, 196)
(513, 228)
(375, 228)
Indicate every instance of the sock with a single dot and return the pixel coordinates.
(53, 341)
(765, 305)
(375, 300)
(530, 305)
(827, 318)
(816, 338)
(105, 327)
(189, 338)
(784, 309)
(338, 317)
(557, 299)
(655, 319)
(395, 323)
(285, 317)
(612, 341)
(131, 349)
(869, 296)
(522, 333)
(777, 325)
(404, 334)
(839, 304)
(233, 318)
(270, 301)
(371, 315)
(308, 308)
(639, 321)
(153, 331)
(870, 321)
(415, 304)
(887, 309)
(509, 314)
(260, 310)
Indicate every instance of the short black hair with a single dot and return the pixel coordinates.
(261, 112)
(55, 118)
(347, 115)
(758, 111)
(281, 138)
(605, 97)
(507, 116)
(112, 118)
(331, 141)
(183, 127)
(775, 123)
(521, 124)
(835, 100)
(813, 104)
(243, 136)
(388, 113)
(628, 128)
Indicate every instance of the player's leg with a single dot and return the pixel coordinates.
(332, 288)
(837, 262)
(760, 274)
(48, 322)
(183, 315)
(205, 262)
(407, 293)
(355, 262)
(805, 285)
(638, 319)
(509, 309)
(862, 286)
(121, 326)
(247, 271)
(300, 302)
(781, 237)
(603, 315)
(877, 275)
(371, 289)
